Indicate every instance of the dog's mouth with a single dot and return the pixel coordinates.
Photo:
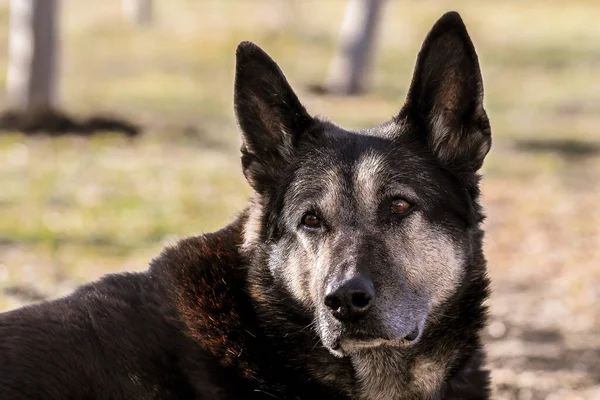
(348, 344)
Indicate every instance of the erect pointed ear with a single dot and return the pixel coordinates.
(269, 114)
(446, 96)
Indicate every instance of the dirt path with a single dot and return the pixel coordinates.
(536, 348)
(543, 247)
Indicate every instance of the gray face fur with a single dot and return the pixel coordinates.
(428, 156)
(414, 261)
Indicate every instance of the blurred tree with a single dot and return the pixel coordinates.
(33, 53)
(32, 76)
(350, 68)
(138, 11)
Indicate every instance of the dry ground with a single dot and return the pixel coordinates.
(72, 209)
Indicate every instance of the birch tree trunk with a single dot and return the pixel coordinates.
(351, 66)
(138, 11)
(32, 75)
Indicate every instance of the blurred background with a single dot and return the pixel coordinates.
(118, 137)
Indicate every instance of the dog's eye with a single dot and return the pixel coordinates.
(311, 221)
(400, 206)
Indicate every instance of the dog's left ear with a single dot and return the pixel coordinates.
(446, 96)
(269, 114)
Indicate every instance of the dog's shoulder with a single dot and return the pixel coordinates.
(201, 260)
(128, 330)
(206, 279)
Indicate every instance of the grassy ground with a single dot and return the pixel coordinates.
(73, 209)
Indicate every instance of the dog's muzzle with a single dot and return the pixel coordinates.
(351, 325)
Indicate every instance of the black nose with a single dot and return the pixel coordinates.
(351, 299)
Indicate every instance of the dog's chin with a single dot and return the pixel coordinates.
(342, 344)
(350, 346)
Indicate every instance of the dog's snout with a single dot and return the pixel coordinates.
(351, 299)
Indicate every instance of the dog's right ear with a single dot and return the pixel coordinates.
(269, 114)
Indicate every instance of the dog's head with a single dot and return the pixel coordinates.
(370, 231)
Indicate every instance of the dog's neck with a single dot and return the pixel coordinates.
(388, 373)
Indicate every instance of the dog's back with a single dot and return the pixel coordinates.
(110, 339)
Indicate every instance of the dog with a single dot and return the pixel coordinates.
(356, 272)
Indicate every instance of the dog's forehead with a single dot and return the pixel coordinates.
(357, 165)
(381, 135)
(345, 152)
(367, 149)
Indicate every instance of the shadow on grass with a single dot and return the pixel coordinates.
(108, 245)
(24, 293)
(546, 351)
(37, 121)
(567, 148)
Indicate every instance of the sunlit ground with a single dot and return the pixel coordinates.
(73, 209)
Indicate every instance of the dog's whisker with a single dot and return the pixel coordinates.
(313, 323)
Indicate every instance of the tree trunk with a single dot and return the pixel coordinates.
(138, 11)
(33, 53)
(349, 71)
